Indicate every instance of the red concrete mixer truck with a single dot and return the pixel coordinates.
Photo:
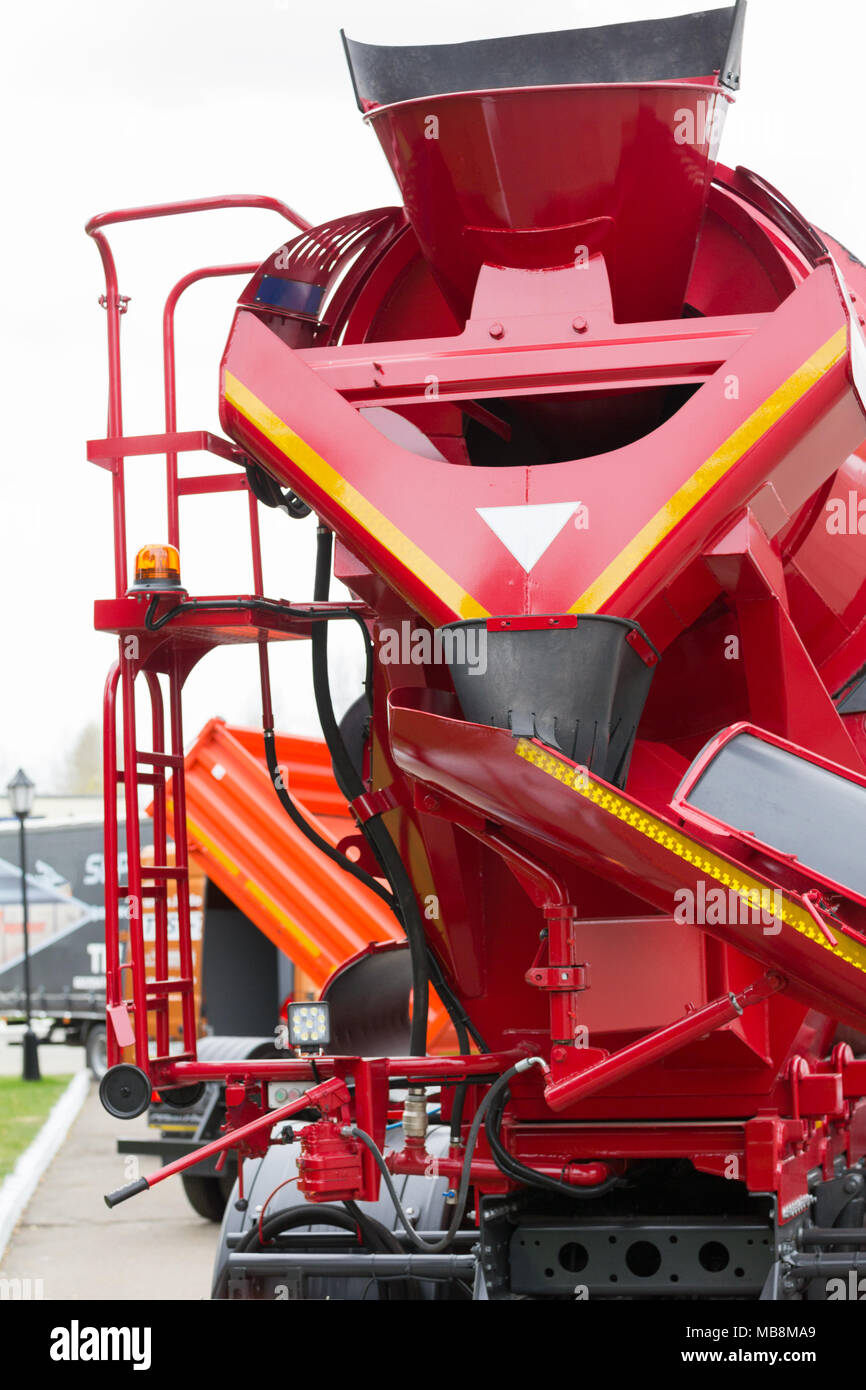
(582, 421)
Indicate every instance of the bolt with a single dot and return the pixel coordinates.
(430, 803)
(579, 324)
(852, 1183)
(496, 330)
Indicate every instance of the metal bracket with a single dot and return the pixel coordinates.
(122, 301)
(374, 803)
(558, 976)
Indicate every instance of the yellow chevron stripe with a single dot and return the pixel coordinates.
(357, 506)
(230, 867)
(715, 467)
(724, 871)
(210, 848)
(282, 917)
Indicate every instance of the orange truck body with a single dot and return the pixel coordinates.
(242, 840)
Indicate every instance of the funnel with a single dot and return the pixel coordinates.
(578, 684)
(545, 149)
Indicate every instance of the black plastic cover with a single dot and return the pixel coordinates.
(648, 50)
(579, 689)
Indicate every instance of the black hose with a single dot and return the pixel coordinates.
(372, 827)
(374, 1235)
(434, 1247)
(514, 1169)
(261, 605)
(295, 814)
(403, 901)
(375, 1230)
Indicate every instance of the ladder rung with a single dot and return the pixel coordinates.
(149, 779)
(175, 1057)
(179, 986)
(164, 871)
(148, 890)
(159, 759)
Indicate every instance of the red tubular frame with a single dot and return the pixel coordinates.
(111, 453)
(170, 381)
(115, 305)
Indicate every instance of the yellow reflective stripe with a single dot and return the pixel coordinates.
(210, 848)
(724, 871)
(282, 917)
(223, 860)
(335, 485)
(711, 470)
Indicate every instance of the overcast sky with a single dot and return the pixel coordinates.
(112, 103)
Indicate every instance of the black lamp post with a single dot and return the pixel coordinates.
(20, 791)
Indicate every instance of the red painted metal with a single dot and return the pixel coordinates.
(560, 1094)
(116, 304)
(636, 197)
(698, 429)
(174, 488)
(484, 1170)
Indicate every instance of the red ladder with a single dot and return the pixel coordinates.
(146, 768)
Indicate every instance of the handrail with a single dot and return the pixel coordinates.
(216, 204)
(115, 305)
(169, 377)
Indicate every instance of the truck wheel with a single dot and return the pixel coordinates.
(96, 1051)
(206, 1196)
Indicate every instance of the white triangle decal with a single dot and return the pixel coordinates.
(527, 531)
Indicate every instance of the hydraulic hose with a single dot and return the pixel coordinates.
(373, 828)
(376, 1236)
(321, 1214)
(434, 1247)
(295, 814)
(514, 1169)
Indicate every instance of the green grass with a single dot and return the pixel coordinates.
(24, 1107)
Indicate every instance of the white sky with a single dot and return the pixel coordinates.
(112, 103)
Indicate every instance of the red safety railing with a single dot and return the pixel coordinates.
(156, 766)
(171, 443)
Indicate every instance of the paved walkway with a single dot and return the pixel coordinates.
(153, 1246)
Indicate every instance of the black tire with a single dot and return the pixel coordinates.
(182, 1097)
(206, 1196)
(95, 1050)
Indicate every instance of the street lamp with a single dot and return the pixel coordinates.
(20, 791)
